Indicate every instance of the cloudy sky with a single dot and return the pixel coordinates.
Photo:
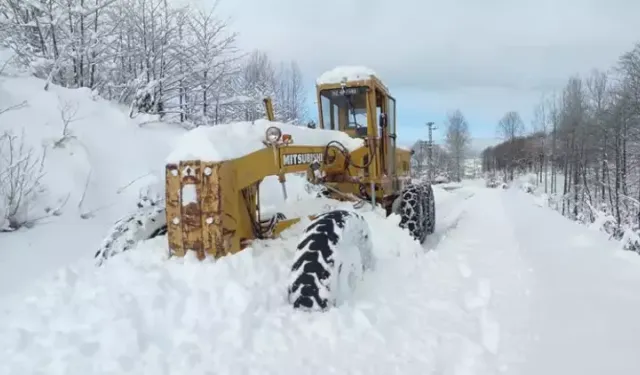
(484, 57)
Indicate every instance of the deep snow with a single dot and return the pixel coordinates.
(96, 173)
(508, 287)
(586, 304)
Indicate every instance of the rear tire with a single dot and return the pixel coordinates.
(417, 211)
(431, 210)
(330, 260)
(411, 211)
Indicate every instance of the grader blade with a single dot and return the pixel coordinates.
(194, 209)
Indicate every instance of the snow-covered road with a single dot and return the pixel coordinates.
(585, 300)
(505, 287)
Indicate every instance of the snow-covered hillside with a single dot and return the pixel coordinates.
(84, 176)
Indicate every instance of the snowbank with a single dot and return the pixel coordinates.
(101, 147)
(231, 141)
(350, 73)
(92, 172)
(442, 195)
(595, 217)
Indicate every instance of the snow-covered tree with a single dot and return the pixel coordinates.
(290, 96)
(587, 138)
(179, 62)
(458, 140)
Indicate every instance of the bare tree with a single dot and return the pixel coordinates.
(441, 160)
(510, 127)
(598, 96)
(257, 81)
(419, 157)
(540, 127)
(68, 114)
(458, 140)
(21, 172)
(591, 133)
(212, 55)
(290, 95)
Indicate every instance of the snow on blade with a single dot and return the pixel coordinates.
(351, 73)
(231, 141)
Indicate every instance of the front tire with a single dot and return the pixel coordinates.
(147, 222)
(330, 260)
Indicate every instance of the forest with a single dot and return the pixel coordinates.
(179, 62)
(584, 147)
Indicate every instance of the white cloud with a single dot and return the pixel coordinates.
(484, 57)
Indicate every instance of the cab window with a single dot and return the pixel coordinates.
(344, 108)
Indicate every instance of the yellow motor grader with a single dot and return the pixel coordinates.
(211, 208)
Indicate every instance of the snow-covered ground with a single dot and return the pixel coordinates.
(584, 299)
(508, 287)
(502, 286)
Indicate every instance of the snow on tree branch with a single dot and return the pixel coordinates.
(180, 63)
(584, 149)
(21, 171)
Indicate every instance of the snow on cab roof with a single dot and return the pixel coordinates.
(351, 73)
(231, 141)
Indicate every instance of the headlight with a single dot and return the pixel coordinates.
(273, 134)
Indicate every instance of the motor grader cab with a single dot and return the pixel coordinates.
(364, 109)
(212, 208)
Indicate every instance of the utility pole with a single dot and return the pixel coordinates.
(430, 152)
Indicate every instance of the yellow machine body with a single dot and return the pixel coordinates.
(213, 208)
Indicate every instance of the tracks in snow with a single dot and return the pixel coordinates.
(480, 271)
(448, 214)
(585, 304)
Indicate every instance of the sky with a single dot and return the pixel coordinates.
(482, 57)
